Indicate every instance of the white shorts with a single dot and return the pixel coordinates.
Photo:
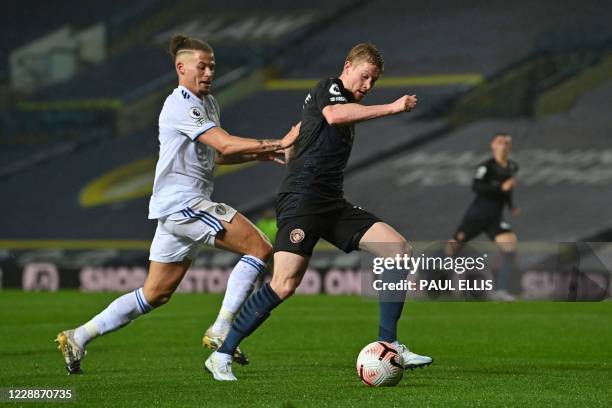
(179, 236)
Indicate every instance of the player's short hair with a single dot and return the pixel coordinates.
(368, 52)
(181, 43)
(501, 134)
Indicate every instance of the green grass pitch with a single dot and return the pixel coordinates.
(486, 354)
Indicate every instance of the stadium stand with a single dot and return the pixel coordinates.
(446, 44)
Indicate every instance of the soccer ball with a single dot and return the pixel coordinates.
(380, 365)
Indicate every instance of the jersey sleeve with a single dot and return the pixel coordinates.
(330, 92)
(191, 120)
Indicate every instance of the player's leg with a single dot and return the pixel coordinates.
(242, 237)
(382, 240)
(467, 230)
(289, 269)
(295, 241)
(507, 242)
(174, 246)
(160, 284)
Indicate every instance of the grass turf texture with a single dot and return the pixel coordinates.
(486, 354)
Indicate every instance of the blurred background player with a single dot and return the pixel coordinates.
(191, 142)
(493, 184)
(311, 204)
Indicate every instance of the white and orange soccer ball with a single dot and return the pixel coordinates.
(380, 365)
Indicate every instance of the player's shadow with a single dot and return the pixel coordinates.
(405, 383)
(33, 352)
(531, 369)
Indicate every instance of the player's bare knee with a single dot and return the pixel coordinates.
(157, 298)
(286, 292)
(160, 300)
(507, 242)
(259, 247)
(283, 289)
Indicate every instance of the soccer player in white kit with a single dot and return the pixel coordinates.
(191, 142)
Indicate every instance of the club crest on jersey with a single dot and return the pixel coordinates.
(297, 235)
(334, 89)
(220, 209)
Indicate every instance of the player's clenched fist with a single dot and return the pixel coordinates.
(404, 104)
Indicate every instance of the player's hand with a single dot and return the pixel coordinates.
(515, 211)
(291, 136)
(277, 157)
(508, 184)
(404, 104)
(289, 154)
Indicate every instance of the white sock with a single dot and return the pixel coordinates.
(120, 312)
(239, 286)
(222, 356)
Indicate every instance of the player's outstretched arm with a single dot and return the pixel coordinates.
(277, 156)
(350, 113)
(229, 145)
(223, 159)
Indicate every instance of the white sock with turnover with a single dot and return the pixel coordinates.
(120, 312)
(239, 286)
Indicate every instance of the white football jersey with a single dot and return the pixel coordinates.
(185, 167)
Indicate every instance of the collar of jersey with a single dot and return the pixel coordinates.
(190, 93)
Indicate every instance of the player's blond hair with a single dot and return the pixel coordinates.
(181, 44)
(366, 52)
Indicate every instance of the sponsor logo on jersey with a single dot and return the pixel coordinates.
(297, 235)
(337, 99)
(334, 89)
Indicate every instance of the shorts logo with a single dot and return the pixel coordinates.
(504, 225)
(220, 209)
(297, 235)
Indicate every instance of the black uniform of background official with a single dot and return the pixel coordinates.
(485, 214)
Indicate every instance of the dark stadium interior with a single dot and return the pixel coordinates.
(82, 85)
(44, 175)
(77, 156)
